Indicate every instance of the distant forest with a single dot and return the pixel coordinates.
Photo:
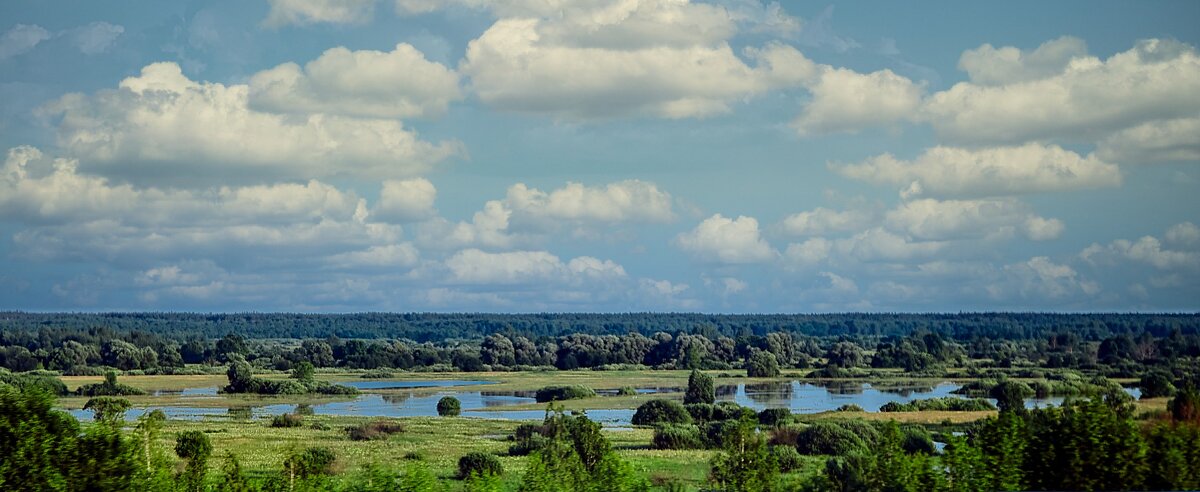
(433, 327)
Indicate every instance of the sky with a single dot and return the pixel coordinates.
(730, 156)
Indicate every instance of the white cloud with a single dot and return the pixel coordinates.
(20, 39)
(1147, 249)
(405, 201)
(1154, 141)
(988, 65)
(162, 126)
(929, 219)
(723, 240)
(622, 201)
(396, 84)
(97, 37)
(1040, 278)
(878, 244)
(474, 266)
(846, 101)
(1184, 234)
(305, 12)
(1089, 98)
(659, 58)
(402, 255)
(949, 171)
(488, 227)
(822, 221)
(805, 255)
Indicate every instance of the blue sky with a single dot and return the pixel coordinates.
(599, 155)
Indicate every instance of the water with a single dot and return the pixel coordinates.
(420, 401)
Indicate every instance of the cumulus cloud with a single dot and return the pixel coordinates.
(659, 58)
(822, 221)
(1184, 234)
(20, 39)
(397, 84)
(1146, 250)
(405, 201)
(305, 12)
(960, 172)
(1089, 97)
(929, 219)
(623, 201)
(846, 101)
(160, 125)
(988, 65)
(731, 241)
(1154, 141)
(1040, 278)
(512, 267)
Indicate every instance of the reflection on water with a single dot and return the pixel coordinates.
(800, 397)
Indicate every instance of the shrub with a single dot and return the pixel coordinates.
(1011, 395)
(376, 430)
(716, 432)
(378, 374)
(677, 437)
(1185, 407)
(479, 464)
(773, 417)
(917, 440)
(700, 388)
(627, 391)
(311, 462)
(828, 438)
(946, 404)
(788, 458)
(1156, 384)
(449, 406)
(24, 381)
(287, 420)
(557, 393)
(785, 436)
(762, 364)
(849, 407)
(416, 455)
(656, 412)
(321, 426)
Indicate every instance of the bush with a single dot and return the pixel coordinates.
(311, 462)
(773, 417)
(22, 382)
(378, 374)
(656, 412)
(917, 440)
(479, 464)
(1156, 384)
(110, 387)
(287, 420)
(627, 391)
(946, 404)
(558, 393)
(376, 430)
(788, 458)
(716, 432)
(449, 406)
(828, 438)
(677, 437)
(849, 407)
(762, 364)
(417, 455)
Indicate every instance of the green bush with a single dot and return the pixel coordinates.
(849, 407)
(762, 364)
(627, 391)
(917, 440)
(448, 406)
(378, 374)
(715, 432)
(311, 462)
(677, 437)
(656, 412)
(700, 388)
(773, 417)
(479, 464)
(945, 404)
(1155, 384)
(287, 420)
(558, 393)
(787, 457)
(44, 382)
(828, 438)
(110, 387)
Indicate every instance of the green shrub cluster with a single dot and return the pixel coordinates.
(945, 404)
(375, 430)
(479, 464)
(558, 393)
(655, 412)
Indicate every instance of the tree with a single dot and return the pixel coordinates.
(762, 364)
(1010, 395)
(1185, 407)
(745, 463)
(1156, 384)
(845, 355)
(448, 406)
(195, 448)
(304, 372)
(108, 410)
(700, 388)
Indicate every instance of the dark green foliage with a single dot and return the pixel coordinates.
(375, 430)
(232, 477)
(762, 364)
(304, 371)
(945, 404)
(110, 387)
(36, 440)
(1173, 457)
(703, 412)
(677, 437)
(1010, 395)
(107, 409)
(655, 412)
(1185, 407)
(1155, 384)
(195, 448)
(45, 382)
(528, 438)
(772, 417)
(477, 464)
(745, 462)
(787, 457)
(287, 420)
(850, 407)
(558, 393)
(916, 439)
(242, 380)
(577, 457)
(828, 438)
(311, 462)
(700, 388)
(448, 406)
(845, 355)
